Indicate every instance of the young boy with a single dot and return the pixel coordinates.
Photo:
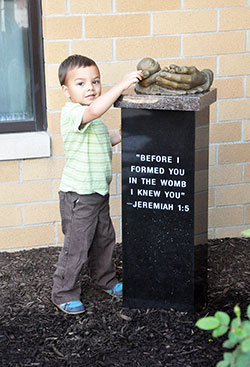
(84, 190)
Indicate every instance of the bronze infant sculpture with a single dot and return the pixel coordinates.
(173, 79)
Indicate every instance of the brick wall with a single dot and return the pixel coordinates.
(117, 34)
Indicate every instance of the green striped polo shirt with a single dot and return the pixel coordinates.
(88, 153)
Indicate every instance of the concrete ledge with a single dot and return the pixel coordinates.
(24, 145)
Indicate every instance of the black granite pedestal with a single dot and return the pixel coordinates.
(165, 199)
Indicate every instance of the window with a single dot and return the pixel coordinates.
(22, 86)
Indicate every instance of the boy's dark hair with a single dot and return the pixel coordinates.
(72, 62)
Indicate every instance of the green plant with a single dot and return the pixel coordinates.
(238, 336)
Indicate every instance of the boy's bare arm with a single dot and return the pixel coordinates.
(101, 104)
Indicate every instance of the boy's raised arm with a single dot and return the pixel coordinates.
(101, 104)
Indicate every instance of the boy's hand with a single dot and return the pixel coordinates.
(130, 79)
(102, 103)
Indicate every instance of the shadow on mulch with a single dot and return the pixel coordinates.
(34, 333)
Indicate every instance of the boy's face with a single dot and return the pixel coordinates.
(82, 85)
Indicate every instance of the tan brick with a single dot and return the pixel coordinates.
(41, 213)
(149, 5)
(27, 236)
(55, 52)
(117, 226)
(185, 22)
(211, 234)
(211, 197)
(113, 72)
(56, 184)
(120, 183)
(213, 112)
(113, 185)
(55, 99)
(225, 175)
(95, 49)
(234, 64)
(112, 118)
(230, 195)
(25, 192)
(234, 19)
(247, 173)
(248, 87)
(9, 171)
(193, 4)
(229, 232)
(228, 216)
(212, 155)
(117, 25)
(60, 235)
(247, 214)
(225, 132)
(53, 7)
(52, 76)
(246, 130)
(212, 44)
(234, 153)
(53, 120)
(57, 145)
(90, 7)
(39, 169)
(116, 163)
(229, 88)
(115, 206)
(56, 28)
(234, 109)
(10, 216)
(133, 48)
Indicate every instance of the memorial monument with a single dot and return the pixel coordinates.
(165, 187)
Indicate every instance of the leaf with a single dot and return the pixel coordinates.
(243, 360)
(221, 330)
(207, 323)
(229, 344)
(246, 327)
(235, 323)
(240, 333)
(228, 357)
(245, 345)
(237, 311)
(232, 337)
(222, 317)
(222, 364)
(248, 311)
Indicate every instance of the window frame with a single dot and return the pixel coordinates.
(39, 121)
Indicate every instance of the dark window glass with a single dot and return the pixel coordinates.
(22, 90)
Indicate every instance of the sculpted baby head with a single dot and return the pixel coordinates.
(148, 66)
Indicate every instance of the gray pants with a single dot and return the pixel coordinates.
(89, 238)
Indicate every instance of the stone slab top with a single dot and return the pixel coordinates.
(191, 102)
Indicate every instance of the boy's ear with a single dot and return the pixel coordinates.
(65, 91)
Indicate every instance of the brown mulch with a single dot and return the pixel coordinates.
(34, 333)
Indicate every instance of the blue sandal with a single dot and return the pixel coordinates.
(72, 308)
(116, 291)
